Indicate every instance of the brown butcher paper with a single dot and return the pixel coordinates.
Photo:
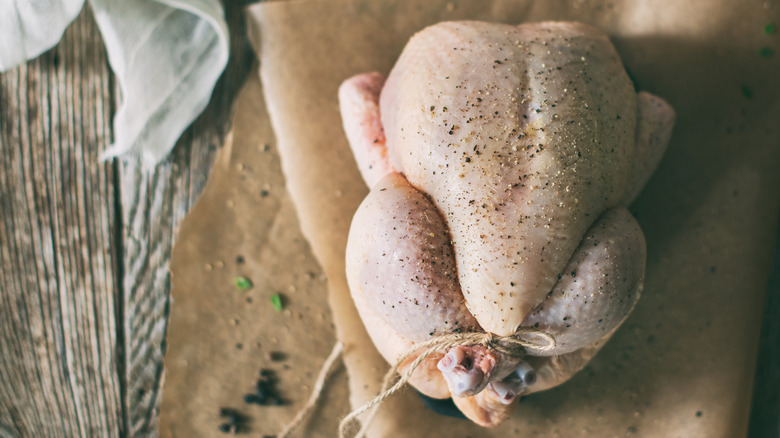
(682, 365)
(239, 247)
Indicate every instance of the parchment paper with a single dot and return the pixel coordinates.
(681, 366)
(683, 363)
(219, 335)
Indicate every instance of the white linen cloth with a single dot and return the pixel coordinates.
(166, 54)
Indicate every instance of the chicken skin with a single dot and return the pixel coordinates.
(501, 160)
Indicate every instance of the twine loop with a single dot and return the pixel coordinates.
(514, 345)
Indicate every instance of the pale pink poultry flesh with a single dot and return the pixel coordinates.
(500, 160)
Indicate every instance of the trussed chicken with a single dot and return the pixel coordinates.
(500, 160)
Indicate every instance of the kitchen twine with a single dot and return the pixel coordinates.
(514, 345)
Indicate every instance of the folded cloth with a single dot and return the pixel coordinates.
(28, 28)
(167, 56)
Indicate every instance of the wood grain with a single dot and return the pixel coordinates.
(85, 245)
(58, 306)
(153, 202)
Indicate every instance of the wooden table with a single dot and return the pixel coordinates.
(85, 245)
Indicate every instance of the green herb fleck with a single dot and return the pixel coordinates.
(766, 52)
(242, 283)
(276, 301)
(747, 92)
(770, 28)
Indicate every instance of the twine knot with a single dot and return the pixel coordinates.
(515, 345)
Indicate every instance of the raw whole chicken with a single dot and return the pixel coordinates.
(501, 160)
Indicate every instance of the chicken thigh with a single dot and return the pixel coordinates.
(500, 160)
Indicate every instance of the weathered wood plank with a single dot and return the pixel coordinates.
(153, 204)
(58, 295)
(85, 245)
